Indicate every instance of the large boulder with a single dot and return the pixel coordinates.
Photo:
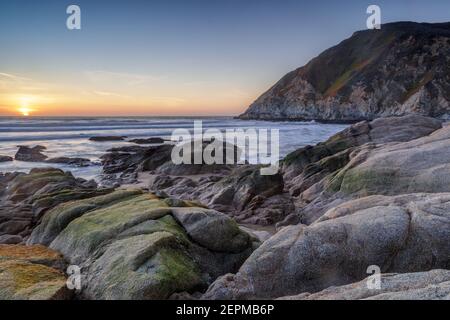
(212, 230)
(134, 245)
(401, 234)
(57, 219)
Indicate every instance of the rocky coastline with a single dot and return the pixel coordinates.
(375, 194)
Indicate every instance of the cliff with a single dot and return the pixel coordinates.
(401, 69)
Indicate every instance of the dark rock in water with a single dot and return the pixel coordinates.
(398, 70)
(129, 158)
(121, 165)
(5, 159)
(107, 138)
(28, 154)
(148, 141)
(128, 149)
(24, 198)
(80, 162)
(228, 155)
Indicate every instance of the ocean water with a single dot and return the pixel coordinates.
(68, 137)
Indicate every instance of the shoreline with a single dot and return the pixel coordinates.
(359, 189)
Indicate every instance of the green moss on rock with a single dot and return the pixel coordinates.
(21, 280)
(57, 219)
(151, 266)
(87, 233)
(363, 183)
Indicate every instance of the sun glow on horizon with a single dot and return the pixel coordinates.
(25, 108)
(25, 111)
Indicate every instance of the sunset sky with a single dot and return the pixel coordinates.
(189, 57)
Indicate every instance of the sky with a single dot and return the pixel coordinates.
(170, 57)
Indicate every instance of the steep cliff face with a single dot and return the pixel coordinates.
(401, 69)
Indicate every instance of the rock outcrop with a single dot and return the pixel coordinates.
(374, 194)
(80, 162)
(398, 70)
(29, 154)
(400, 234)
(121, 165)
(133, 245)
(5, 158)
(24, 198)
(314, 174)
(242, 193)
(240, 190)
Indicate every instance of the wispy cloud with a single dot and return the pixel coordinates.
(120, 78)
(110, 94)
(14, 83)
(13, 77)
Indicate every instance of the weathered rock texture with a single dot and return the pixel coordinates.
(375, 194)
(242, 193)
(121, 165)
(400, 234)
(31, 273)
(29, 154)
(431, 285)
(133, 245)
(318, 177)
(24, 198)
(401, 69)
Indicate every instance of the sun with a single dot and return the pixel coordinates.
(25, 108)
(25, 111)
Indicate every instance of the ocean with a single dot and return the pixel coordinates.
(69, 136)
